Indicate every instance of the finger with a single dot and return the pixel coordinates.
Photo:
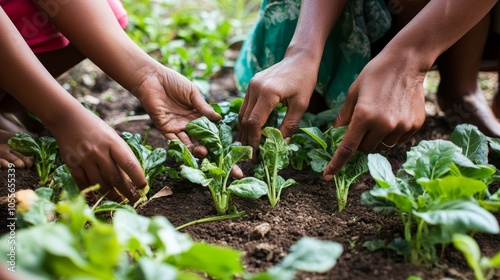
(241, 116)
(246, 110)
(95, 177)
(406, 136)
(347, 147)
(236, 172)
(79, 176)
(91, 197)
(256, 121)
(126, 160)
(200, 105)
(118, 180)
(7, 155)
(291, 120)
(345, 114)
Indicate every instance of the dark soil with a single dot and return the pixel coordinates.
(308, 209)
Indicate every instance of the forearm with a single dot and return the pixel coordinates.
(27, 80)
(91, 26)
(317, 19)
(434, 29)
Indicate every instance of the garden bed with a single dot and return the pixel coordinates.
(307, 209)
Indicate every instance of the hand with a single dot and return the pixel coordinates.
(384, 104)
(291, 82)
(95, 153)
(172, 101)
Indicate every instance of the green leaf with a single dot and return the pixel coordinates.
(427, 155)
(319, 159)
(149, 269)
(132, 232)
(335, 136)
(63, 179)
(180, 152)
(316, 134)
(170, 242)
(435, 162)
(461, 216)
(24, 144)
(201, 258)
(225, 135)
(275, 150)
(495, 261)
(473, 142)
(469, 248)
(248, 187)
(109, 206)
(235, 154)
(207, 133)
(381, 171)
(374, 245)
(380, 205)
(400, 200)
(451, 188)
(312, 255)
(101, 246)
(194, 175)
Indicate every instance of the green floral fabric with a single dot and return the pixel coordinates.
(347, 49)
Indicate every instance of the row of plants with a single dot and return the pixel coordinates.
(191, 37)
(440, 191)
(69, 239)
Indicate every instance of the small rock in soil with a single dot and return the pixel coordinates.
(259, 231)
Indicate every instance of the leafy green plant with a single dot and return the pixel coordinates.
(229, 111)
(214, 170)
(475, 146)
(273, 155)
(350, 172)
(482, 266)
(308, 254)
(184, 35)
(72, 242)
(78, 244)
(43, 150)
(434, 194)
(151, 160)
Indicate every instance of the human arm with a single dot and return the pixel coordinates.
(168, 97)
(386, 102)
(92, 150)
(293, 79)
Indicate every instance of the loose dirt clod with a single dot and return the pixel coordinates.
(259, 231)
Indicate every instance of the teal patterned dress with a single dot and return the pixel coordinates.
(347, 49)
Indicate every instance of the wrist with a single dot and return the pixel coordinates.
(304, 58)
(409, 58)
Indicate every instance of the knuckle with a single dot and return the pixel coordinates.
(345, 152)
(117, 180)
(253, 122)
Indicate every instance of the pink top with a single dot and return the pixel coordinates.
(35, 27)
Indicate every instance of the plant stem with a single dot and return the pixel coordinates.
(270, 188)
(211, 219)
(341, 192)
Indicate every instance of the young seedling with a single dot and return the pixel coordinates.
(350, 172)
(434, 193)
(482, 266)
(214, 170)
(151, 160)
(273, 155)
(43, 151)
